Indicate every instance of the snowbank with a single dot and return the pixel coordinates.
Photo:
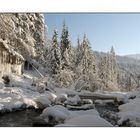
(130, 112)
(60, 116)
(21, 93)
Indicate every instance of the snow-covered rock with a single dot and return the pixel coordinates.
(87, 121)
(130, 112)
(41, 87)
(55, 114)
(51, 96)
(2, 108)
(87, 101)
(60, 116)
(60, 99)
(30, 102)
(73, 100)
(43, 102)
(12, 105)
(122, 98)
(19, 105)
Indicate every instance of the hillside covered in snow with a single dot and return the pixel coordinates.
(135, 56)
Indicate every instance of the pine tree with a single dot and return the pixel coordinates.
(108, 70)
(86, 71)
(128, 84)
(87, 59)
(104, 69)
(66, 76)
(78, 52)
(65, 47)
(54, 56)
(113, 65)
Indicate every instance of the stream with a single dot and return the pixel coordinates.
(108, 112)
(22, 118)
(26, 117)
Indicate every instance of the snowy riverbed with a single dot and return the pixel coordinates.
(65, 107)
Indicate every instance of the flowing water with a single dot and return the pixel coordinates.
(25, 118)
(22, 118)
(109, 113)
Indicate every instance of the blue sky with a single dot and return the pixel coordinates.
(103, 30)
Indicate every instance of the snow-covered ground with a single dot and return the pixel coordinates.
(58, 102)
(65, 117)
(19, 93)
(130, 112)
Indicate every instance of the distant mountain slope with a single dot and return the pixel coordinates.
(135, 56)
(126, 63)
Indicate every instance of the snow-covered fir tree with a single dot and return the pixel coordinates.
(54, 55)
(108, 70)
(78, 52)
(103, 69)
(86, 69)
(86, 58)
(114, 67)
(70, 65)
(65, 46)
(65, 76)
